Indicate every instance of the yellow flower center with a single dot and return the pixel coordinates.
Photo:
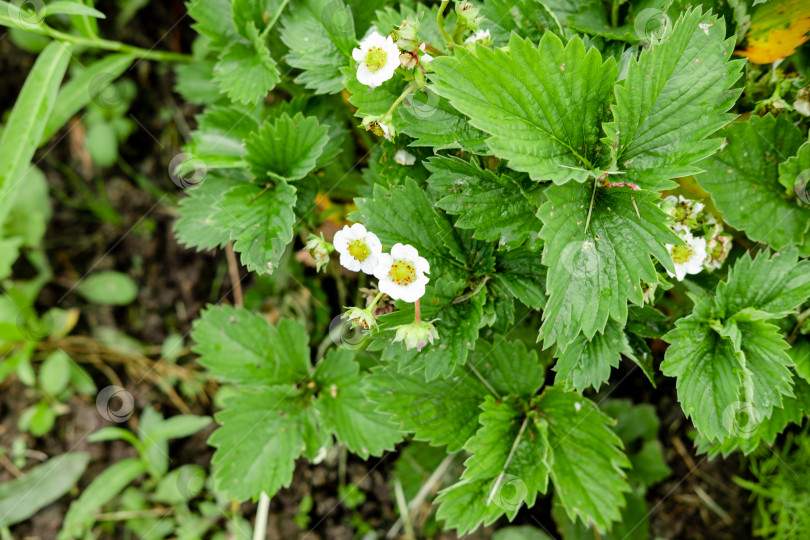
(375, 59)
(402, 273)
(681, 254)
(359, 250)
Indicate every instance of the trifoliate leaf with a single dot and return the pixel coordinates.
(493, 205)
(444, 412)
(542, 106)
(262, 433)
(286, 148)
(510, 448)
(320, 35)
(587, 471)
(346, 411)
(726, 356)
(245, 71)
(742, 179)
(260, 223)
(592, 273)
(238, 346)
(588, 362)
(674, 96)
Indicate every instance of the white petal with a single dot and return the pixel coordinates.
(369, 264)
(422, 280)
(383, 266)
(397, 252)
(364, 76)
(357, 232)
(341, 242)
(412, 292)
(409, 253)
(349, 262)
(390, 288)
(422, 265)
(358, 54)
(373, 243)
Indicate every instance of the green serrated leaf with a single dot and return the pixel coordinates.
(493, 205)
(674, 96)
(260, 224)
(198, 225)
(508, 367)
(262, 433)
(286, 148)
(542, 106)
(443, 413)
(320, 35)
(213, 19)
(588, 362)
(245, 71)
(592, 273)
(433, 122)
(743, 181)
(588, 463)
(236, 345)
(510, 448)
(346, 411)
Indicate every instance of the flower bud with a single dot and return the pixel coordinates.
(468, 15)
(319, 249)
(406, 34)
(416, 334)
(363, 318)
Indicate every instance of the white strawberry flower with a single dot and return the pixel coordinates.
(689, 257)
(402, 273)
(359, 249)
(378, 59)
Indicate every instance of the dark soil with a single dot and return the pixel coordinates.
(175, 284)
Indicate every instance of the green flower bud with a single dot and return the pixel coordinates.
(416, 335)
(406, 36)
(363, 318)
(320, 250)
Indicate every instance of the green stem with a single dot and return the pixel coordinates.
(117, 46)
(402, 96)
(433, 50)
(458, 31)
(376, 299)
(440, 22)
(275, 18)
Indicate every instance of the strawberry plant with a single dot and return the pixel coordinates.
(500, 205)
